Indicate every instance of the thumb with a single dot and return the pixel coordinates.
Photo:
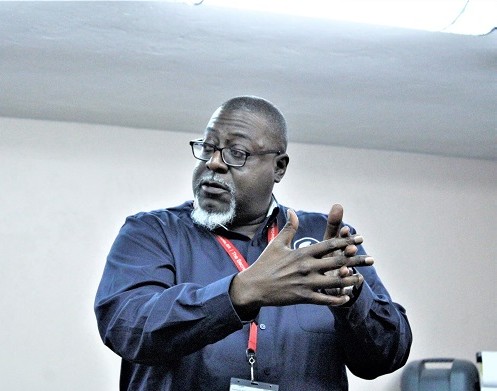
(288, 232)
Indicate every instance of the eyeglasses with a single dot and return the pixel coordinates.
(231, 156)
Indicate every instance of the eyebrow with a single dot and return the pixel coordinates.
(231, 133)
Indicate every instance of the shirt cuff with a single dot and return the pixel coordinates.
(356, 310)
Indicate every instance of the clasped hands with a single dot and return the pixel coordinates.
(317, 274)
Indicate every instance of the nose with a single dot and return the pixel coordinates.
(216, 163)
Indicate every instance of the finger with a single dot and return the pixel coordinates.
(340, 291)
(359, 260)
(347, 290)
(333, 291)
(338, 300)
(333, 283)
(334, 222)
(288, 232)
(328, 264)
(328, 246)
(360, 280)
(344, 271)
(344, 231)
(320, 297)
(350, 250)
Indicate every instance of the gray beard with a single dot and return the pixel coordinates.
(213, 220)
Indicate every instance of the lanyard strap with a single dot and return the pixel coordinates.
(235, 255)
(241, 264)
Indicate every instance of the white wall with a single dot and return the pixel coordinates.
(66, 188)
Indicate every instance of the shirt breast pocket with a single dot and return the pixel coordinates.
(315, 318)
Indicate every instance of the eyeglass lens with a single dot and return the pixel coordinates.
(230, 156)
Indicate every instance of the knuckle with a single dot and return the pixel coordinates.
(356, 261)
(345, 282)
(306, 295)
(342, 260)
(288, 228)
(304, 267)
(329, 245)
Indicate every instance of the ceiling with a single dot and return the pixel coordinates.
(167, 66)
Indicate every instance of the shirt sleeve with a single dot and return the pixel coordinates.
(143, 315)
(375, 331)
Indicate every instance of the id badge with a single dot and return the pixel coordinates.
(247, 385)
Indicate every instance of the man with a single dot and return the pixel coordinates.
(234, 289)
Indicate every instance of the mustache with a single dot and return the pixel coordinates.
(214, 178)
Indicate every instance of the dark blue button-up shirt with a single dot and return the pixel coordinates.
(163, 306)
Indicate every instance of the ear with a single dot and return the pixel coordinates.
(280, 165)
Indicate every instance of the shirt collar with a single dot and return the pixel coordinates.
(271, 216)
(272, 207)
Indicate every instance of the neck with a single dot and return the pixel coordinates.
(248, 225)
(247, 228)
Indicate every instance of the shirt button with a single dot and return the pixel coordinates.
(262, 326)
(267, 371)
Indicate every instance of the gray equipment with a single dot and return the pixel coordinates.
(440, 374)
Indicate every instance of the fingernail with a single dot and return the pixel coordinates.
(369, 260)
(358, 239)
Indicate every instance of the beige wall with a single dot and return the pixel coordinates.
(66, 188)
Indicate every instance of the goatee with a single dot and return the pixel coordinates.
(213, 220)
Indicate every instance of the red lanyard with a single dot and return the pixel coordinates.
(241, 264)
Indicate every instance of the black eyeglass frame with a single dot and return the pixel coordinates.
(201, 142)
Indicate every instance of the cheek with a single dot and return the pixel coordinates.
(197, 173)
(254, 185)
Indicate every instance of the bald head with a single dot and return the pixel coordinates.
(261, 107)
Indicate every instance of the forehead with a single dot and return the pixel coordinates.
(240, 124)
